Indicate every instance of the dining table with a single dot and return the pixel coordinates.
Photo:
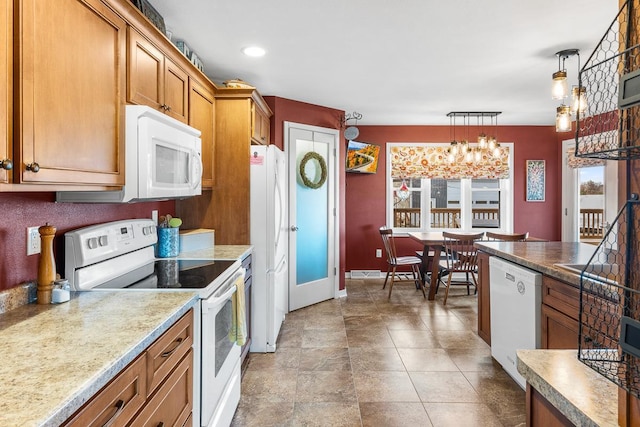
(433, 244)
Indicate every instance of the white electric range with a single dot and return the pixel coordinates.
(119, 255)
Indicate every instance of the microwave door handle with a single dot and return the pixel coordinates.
(196, 171)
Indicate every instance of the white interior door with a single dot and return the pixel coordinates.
(312, 214)
(571, 194)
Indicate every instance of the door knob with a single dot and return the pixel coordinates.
(294, 228)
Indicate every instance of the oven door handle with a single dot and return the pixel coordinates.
(214, 302)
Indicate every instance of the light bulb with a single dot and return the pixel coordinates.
(563, 118)
(491, 143)
(482, 140)
(496, 150)
(578, 99)
(468, 157)
(559, 90)
(477, 154)
(464, 146)
(454, 148)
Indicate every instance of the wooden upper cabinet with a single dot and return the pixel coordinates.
(6, 85)
(202, 117)
(70, 76)
(261, 125)
(155, 80)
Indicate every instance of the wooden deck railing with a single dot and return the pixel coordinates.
(592, 223)
(444, 217)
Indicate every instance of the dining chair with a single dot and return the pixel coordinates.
(500, 237)
(426, 272)
(394, 261)
(461, 257)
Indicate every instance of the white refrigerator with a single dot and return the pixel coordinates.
(269, 237)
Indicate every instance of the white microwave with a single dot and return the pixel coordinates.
(163, 160)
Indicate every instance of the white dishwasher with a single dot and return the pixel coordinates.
(515, 294)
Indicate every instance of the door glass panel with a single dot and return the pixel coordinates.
(485, 203)
(445, 203)
(312, 216)
(172, 166)
(591, 203)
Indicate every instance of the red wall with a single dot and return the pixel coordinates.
(365, 194)
(314, 115)
(22, 210)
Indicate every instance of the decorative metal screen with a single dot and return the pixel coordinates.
(610, 127)
(609, 299)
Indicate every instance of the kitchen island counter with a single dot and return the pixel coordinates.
(583, 396)
(56, 357)
(542, 256)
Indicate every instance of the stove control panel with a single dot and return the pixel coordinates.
(100, 242)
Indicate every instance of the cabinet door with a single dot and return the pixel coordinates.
(484, 309)
(559, 331)
(201, 117)
(6, 73)
(260, 126)
(71, 92)
(145, 72)
(176, 91)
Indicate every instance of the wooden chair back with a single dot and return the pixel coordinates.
(500, 237)
(462, 255)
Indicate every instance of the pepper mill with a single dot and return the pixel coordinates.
(46, 264)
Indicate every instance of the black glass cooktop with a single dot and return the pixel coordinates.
(172, 274)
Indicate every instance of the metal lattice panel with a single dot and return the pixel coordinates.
(610, 127)
(609, 296)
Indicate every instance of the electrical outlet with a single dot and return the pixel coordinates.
(154, 216)
(378, 253)
(33, 241)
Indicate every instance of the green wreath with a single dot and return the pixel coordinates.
(311, 155)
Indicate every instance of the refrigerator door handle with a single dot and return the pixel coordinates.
(280, 268)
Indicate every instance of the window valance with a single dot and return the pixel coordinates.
(582, 162)
(430, 161)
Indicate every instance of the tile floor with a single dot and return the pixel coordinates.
(365, 360)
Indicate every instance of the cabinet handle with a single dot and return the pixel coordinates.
(170, 352)
(33, 167)
(119, 408)
(160, 424)
(6, 164)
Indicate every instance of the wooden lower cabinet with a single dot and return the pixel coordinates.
(484, 301)
(541, 413)
(559, 331)
(157, 387)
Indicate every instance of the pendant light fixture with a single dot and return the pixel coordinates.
(578, 99)
(464, 151)
(403, 192)
(563, 118)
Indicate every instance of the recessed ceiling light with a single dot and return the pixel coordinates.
(254, 51)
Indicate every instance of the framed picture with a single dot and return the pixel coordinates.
(535, 180)
(362, 157)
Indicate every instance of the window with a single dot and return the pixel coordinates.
(437, 202)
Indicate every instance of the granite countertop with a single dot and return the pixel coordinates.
(585, 397)
(541, 256)
(55, 357)
(219, 252)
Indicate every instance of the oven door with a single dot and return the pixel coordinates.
(220, 354)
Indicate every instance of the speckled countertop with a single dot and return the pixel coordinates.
(585, 397)
(55, 357)
(219, 252)
(542, 256)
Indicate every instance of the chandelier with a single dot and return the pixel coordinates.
(560, 90)
(483, 147)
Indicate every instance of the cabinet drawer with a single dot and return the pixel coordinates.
(118, 401)
(167, 350)
(561, 296)
(173, 402)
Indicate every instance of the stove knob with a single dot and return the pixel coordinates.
(103, 240)
(146, 230)
(93, 243)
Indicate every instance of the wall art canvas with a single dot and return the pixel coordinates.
(535, 180)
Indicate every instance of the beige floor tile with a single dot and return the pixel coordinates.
(407, 321)
(314, 338)
(393, 414)
(325, 386)
(474, 359)
(326, 414)
(367, 321)
(444, 323)
(378, 386)
(461, 414)
(443, 387)
(324, 321)
(324, 359)
(414, 339)
(369, 337)
(284, 358)
(375, 359)
(270, 385)
(426, 360)
(263, 414)
(289, 337)
(459, 339)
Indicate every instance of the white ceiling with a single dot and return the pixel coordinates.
(403, 62)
